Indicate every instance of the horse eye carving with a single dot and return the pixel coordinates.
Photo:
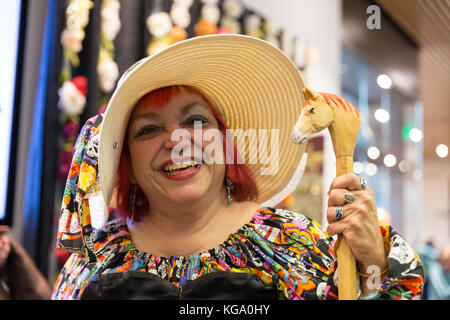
(311, 110)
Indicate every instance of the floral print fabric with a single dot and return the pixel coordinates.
(286, 250)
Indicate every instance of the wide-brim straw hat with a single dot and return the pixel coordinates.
(250, 82)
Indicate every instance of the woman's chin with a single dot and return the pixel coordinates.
(186, 195)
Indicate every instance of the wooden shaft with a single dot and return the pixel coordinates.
(345, 257)
(346, 270)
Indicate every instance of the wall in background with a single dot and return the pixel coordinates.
(320, 24)
(435, 223)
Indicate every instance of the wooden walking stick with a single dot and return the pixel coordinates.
(323, 110)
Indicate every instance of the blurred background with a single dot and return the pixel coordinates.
(61, 61)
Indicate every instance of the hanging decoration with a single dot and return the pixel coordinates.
(272, 33)
(209, 18)
(253, 26)
(168, 28)
(232, 12)
(107, 68)
(73, 90)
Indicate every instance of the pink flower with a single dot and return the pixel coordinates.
(72, 39)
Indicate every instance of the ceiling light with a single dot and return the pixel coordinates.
(384, 216)
(373, 153)
(371, 169)
(403, 166)
(417, 174)
(442, 150)
(384, 81)
(358, 167)
(382, 115)
(390, 160)
(415, 135)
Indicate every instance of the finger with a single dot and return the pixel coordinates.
(336, 227)
(340, 197)
(349, 181)
(332, 213)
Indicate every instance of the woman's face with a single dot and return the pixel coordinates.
(153, 163)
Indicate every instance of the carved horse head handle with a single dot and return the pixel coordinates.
(316, 115)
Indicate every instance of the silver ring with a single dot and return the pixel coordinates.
(349, 197)
(339, 213)
(363, 183)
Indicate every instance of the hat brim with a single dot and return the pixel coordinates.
(251, 83)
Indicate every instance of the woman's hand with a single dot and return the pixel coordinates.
(359, 224)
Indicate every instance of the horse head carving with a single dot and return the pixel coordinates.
(325, 110)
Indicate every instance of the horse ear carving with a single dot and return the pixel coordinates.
(309, 94)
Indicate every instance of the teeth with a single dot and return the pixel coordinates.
(171, 167)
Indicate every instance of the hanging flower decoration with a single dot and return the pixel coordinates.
(272, 33)
(168, 28)
(107, 68)
(233, 10)
(253, 26)
(72, 97)
(110, 19)
(209, 18)
(77, 18)
(73, 90)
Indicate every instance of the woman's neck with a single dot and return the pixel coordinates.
(182, 230)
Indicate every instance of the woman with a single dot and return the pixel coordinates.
(193, 220)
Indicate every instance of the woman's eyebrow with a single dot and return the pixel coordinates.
(146, 115)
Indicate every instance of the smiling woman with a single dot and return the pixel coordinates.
(187, 228)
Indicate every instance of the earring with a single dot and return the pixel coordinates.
(132, 202)
(229, 186)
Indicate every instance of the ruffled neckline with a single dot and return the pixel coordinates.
(208, 252)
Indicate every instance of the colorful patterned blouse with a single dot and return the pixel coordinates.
(278, 254)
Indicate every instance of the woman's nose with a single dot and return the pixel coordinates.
(176, 137)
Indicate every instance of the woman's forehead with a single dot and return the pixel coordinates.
(180, 104)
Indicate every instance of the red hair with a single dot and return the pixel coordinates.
(244, 186)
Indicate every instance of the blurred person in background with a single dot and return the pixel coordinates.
(19, 276)
(437, 271)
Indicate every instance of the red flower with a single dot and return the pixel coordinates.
(80, 83)
(223, 30)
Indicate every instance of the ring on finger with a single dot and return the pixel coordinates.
(339, 212)
(349, 197)
(363, 183)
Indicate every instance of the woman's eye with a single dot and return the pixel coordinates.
(311, 110)
(192, 120)
(147, 130)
